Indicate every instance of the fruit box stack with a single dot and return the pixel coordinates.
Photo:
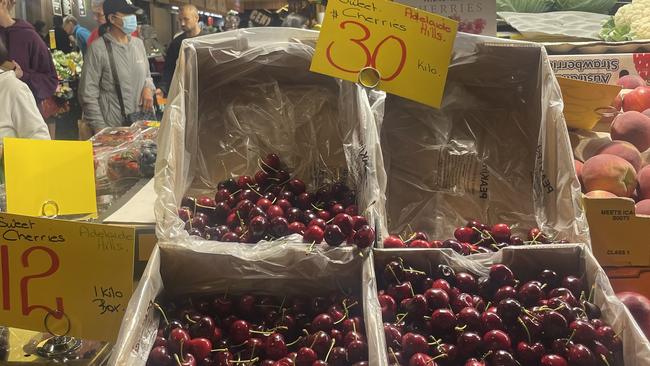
(240, 96)
(497, 150)
(617, 226)
(279, 270)
(558, 262)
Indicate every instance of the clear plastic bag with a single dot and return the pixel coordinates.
(239, 95)
(526, 262)
(497, 150)
(274, 268)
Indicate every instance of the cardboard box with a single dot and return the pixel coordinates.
(618, 236)
(528, 261)
(277, 268)
(636, 279)
(601, 68)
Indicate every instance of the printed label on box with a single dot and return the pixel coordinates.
(473, 16)
(601, 68)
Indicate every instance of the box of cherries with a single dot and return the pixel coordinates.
(534, 306)
(276, 306)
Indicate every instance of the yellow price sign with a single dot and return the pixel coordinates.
(396, 48)
(46, 177)
(65, 277)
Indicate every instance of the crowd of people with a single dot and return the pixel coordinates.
(116, 87)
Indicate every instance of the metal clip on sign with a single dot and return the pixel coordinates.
(369, 77)
(60, 347)
(50, 210)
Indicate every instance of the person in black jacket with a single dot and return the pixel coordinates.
(188, 18)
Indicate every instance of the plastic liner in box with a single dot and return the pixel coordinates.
(237, 96)
(528, 261)
(277, 268)
(497, 150)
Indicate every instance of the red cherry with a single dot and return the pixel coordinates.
(274, 211)
(364, 237)
(553, 360)
(297, 227)
(200, 347)
(345, 222)
(501, 233)
(313, 234)
(496, 340)
(421, 359)
(466, 235)
(419, 244)
(393, 241)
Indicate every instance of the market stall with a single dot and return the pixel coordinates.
(419, 196)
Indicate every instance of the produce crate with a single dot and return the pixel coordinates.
(497, 150)
(618, 236)
(635, 279)
(200, 268)
(528, 261)
(238, 96)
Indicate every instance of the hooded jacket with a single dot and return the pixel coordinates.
(29, 51)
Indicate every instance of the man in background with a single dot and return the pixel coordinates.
(78, 33)
(188, 17)
(97, 7)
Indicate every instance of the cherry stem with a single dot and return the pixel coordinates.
(394, 275)
(267, 165)
(591, 293)
(311, 247)
(182, 344)
(401, 317)
(178, 361)
(332, 346)
(486, 355)
(219, 350)
(294, 342)
(442, 355)
(392, 353)
(162, 312)
(460, 329)
(253, 189)
(604, 359)
(187, 316)
(253, 360)
(571, 337)
(526, 329)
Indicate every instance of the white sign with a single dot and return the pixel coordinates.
(473, 16)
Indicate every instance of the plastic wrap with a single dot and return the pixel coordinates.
(497, 150)
(279, 268)
(237, 96)
(525, 262)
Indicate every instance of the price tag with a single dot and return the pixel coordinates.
(39, 172)
(65, 277)
(406, 50)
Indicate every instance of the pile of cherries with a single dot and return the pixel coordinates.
(472, 238)
(454, 318)
(261, 331)
(272, 205)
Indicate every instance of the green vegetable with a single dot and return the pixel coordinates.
(611, 33)
(591, 6)
(525, 6)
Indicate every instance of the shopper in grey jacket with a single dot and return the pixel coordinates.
(98, 92)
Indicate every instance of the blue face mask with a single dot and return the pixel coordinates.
(129, 24)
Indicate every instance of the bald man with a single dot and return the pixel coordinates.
(188, 18)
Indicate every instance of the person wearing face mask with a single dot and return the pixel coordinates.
(116, 88)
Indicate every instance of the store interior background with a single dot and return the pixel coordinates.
(161, 13)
